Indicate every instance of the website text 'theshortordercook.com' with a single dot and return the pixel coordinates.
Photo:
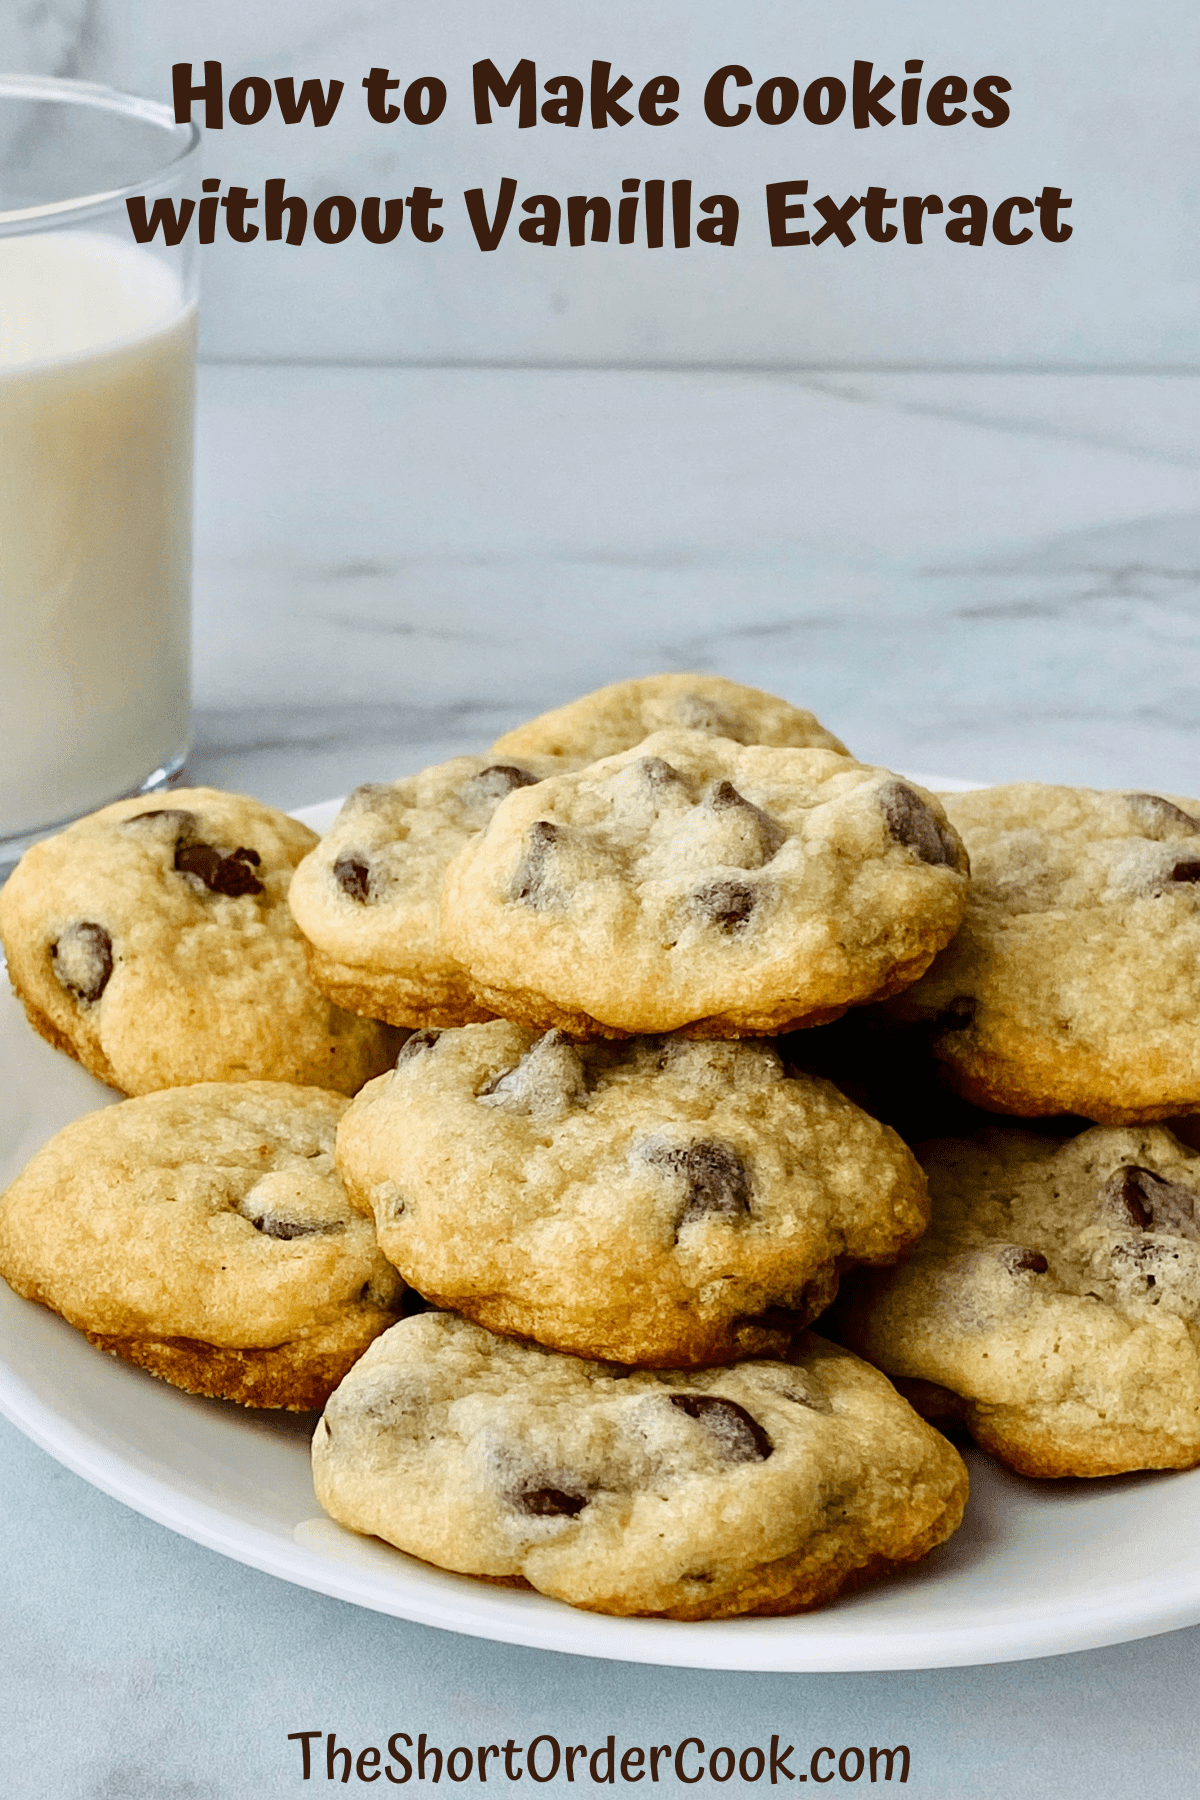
(322, 1757)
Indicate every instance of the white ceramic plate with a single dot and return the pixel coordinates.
(1035, 1570)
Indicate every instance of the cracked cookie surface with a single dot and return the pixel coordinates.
(366, 899)
(665, 1202)
(152, 941)
(764, 1488)
(1073, 985)
(1054, 1305)
(616, 718)
(694, 883)
(203, 1234)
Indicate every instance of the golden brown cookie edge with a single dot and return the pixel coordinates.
(288, 1377)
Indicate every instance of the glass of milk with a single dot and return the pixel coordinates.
(97, 362)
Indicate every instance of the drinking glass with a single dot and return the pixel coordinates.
(97, 374)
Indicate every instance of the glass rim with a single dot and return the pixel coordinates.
(104, 99)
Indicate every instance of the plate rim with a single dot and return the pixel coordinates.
(477, 1610)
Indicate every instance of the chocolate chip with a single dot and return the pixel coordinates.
(352, 873)
(531, 883)
(415, 1044)
(1137, 1196)
(1019, 1261)
(1161, 819)
(1122, 1193)
(726, 903)
(718, 1182)
(229, 875)
(551, 1502)
(915, 825)
(482, 793)
(201, 860)
(724, 797)
(1186, 871)
(658, 773)
(740, 1436)
(1174, 1209)
(287, 1229)
(500, 779)
(83, 960)
(547, 1081)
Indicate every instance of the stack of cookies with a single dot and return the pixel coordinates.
(199, 1229)
(1054, 1306)
(592, 1160)
(551, 1274)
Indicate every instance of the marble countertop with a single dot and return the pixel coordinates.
(992, 576)
(995, 577)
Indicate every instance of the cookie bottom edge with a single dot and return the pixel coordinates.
(1037, 1451)
(278, 1378)
(1001, 1084)
(392, 998)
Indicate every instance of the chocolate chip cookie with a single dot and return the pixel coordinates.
(153, 942)
(203, 1234)
(618, 717)
(1055, 1304)
(658, 1201)
(697, 884)
(765, 1488)
(366, 898)
(1074, 983)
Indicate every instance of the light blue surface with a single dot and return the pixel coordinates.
(995, 578)
(138, 1666)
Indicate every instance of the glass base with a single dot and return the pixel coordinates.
(12, 849)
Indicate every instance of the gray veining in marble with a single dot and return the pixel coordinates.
(48, 37)
(996, 577)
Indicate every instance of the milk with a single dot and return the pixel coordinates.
(97, 350)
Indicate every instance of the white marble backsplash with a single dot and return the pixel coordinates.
(47, 37)
(1102, 103)
(991, 577)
